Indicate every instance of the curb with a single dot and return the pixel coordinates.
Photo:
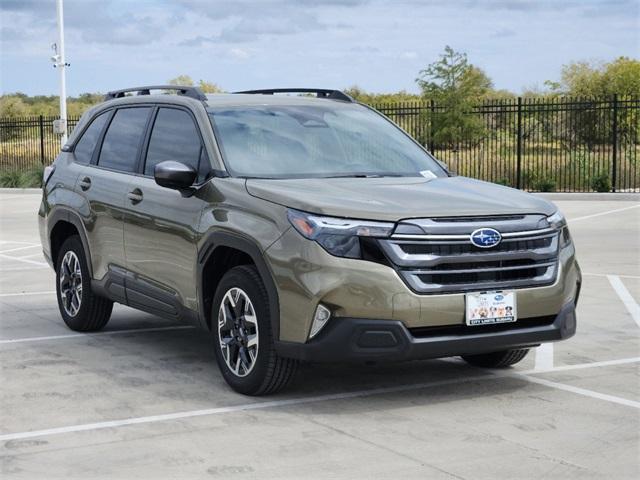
(21, 190)
(590, 196)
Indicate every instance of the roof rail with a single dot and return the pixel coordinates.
(186, 90)
(320, 93)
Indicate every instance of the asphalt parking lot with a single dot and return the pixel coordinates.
(144, 398)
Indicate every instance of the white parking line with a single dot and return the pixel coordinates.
(22, 269)
(31, 262)
(544, 357)
(19, 248)
(580, 366)
(31, 255)
(629, 302)
(583, 391)
(18, 243)
(96, 334)
(570, 220)
(607, 274)
(315, 399)
(20, 294)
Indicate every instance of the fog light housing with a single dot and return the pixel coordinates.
(320, 319)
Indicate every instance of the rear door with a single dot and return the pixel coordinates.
(104, 184)
(161, 229)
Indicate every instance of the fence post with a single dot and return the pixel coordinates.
(614, 139)
(41, 140)
(432, 109)
(519, 146)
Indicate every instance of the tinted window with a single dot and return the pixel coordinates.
(121, 142)
(87, 143)
(174, 137)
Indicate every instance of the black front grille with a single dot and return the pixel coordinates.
(462, 329)
(481, 277)
(424, 248)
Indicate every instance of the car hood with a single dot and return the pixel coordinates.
(394, 199)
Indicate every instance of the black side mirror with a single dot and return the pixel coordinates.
(175, 175)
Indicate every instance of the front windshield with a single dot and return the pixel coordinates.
(289, 141)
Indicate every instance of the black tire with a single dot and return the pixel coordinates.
(94, 311)
(502, 359)
(270, 373)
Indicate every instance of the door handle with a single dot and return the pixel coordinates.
(135, 196)
(85, 184)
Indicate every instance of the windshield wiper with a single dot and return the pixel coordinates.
(364, 175)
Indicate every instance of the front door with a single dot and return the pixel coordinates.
(161, 225)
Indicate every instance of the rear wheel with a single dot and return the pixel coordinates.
(81, 309)
(244, 344)
(502, 359)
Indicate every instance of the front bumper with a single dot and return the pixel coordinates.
(361, 340)
(306, 275)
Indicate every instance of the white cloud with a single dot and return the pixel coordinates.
(377, 44)
(240, 53)
(408, 55)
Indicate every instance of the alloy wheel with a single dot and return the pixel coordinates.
(238, 332)
(71, 284)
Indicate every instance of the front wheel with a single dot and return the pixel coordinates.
(502, 359)
(243, 339)
(81, 309)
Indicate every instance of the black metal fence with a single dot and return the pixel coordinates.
(561, 144)
(28, 142)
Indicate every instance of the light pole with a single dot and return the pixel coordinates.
(59, 61)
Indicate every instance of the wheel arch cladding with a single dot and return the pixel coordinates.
(222, 251)
(62, 224)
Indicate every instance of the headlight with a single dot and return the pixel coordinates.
(338, 236)
(558, 222)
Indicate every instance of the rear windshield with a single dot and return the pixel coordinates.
(316, 141)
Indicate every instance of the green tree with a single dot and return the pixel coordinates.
(585, 79)
(206, 87)
(182, 80)
(455, 86)
(13, 106)
(209, 87)
(622, 76)
(369, 98)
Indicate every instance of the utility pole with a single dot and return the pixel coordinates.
(60, 62)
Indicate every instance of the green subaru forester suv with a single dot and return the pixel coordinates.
(302, 227)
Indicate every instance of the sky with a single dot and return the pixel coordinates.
(379, 45)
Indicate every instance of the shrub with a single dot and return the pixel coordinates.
(545, 185)
(28, 179)
(33, 177)
(601, 183)
(10, 179)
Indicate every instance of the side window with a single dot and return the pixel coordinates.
(87, 143)
(174, 137)
(123, 138)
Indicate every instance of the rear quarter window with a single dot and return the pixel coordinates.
(83, 150)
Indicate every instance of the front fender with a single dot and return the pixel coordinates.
(245, 244)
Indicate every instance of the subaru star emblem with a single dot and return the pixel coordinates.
(485, 237)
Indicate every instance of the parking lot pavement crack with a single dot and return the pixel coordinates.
(411, 458)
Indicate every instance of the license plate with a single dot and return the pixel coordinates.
(489, 308)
